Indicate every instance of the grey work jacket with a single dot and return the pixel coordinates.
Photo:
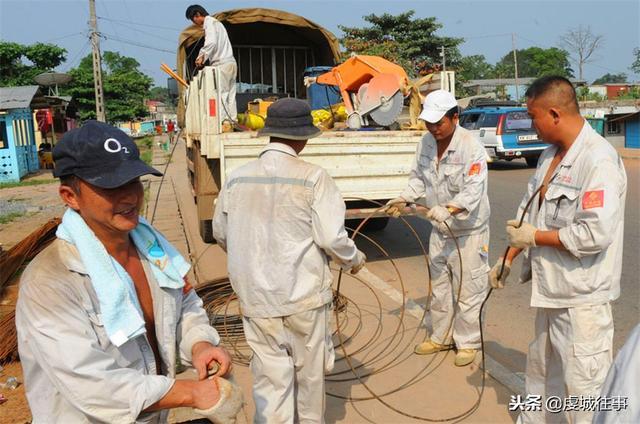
(459, 179)
(72, 372)
(585, 201)
(278, 218)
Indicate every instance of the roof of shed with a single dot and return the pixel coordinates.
(18, 97)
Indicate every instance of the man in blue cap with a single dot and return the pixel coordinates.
(104, 312)
(280, 219)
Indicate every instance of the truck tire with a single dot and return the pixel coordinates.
(206, 232)
(532, 161)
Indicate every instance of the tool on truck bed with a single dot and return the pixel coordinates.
(370, 86)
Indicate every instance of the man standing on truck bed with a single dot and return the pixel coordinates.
(217, 51)
(450, 174)
(279, 218)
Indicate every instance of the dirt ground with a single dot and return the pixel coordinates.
(15, 410)
(35, 205)
(29, 206)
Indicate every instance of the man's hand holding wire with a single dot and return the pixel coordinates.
(361, 259)
(395, 207)
(438, 214)
(498, 283)
(523, 236)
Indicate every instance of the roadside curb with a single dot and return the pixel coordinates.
(497, 371)
(630, 157)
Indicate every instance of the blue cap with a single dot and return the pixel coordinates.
(101, 155)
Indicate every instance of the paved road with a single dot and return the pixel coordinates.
(509, 319)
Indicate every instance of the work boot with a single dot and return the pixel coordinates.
(429, 347)
(465, 357)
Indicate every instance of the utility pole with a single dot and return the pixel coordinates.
(97, 63)
(444, 60)
(515, 64)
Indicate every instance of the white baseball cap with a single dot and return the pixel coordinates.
(436, 104)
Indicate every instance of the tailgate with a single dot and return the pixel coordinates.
(372, 165)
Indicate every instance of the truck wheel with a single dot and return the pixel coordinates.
(532, 161)
(206, 232)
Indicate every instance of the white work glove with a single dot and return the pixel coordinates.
(495, 271)
(438, 214)
(229, 405)
(522, 237)
(361, 259)
(396, 206)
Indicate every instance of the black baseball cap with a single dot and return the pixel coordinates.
(101, 155)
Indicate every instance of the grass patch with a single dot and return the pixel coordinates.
(145, 145)
(28, 183)
(145, 142)
(5, 219)
(147, 156)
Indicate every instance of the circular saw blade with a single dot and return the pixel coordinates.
(388, 112)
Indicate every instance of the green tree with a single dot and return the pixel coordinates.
(410, 42)
(14, 57)
(584, 94)
(632, 94)
(535, 62)
(611, 78)
(474, 67)
(125, 87)
(160, 94)
(635, 66)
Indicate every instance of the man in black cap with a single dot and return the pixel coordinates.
(279, 218)
(104, 312)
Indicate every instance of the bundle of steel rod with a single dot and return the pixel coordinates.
(11, 263)
(220, 303)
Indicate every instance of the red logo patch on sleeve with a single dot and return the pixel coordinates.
(187, 287)
(593, 199)
(475, 169)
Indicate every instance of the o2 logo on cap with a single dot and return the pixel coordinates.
(112, 145)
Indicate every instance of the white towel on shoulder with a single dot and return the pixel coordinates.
(119, 306)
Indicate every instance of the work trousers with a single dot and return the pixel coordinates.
(445, 280)
(569, 356)
(228, 74)
(290, 356)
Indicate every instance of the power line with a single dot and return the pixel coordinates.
(141, 24)
(113, 26)
(82, 50)
(486, 36)
(142, 32)
(586, 64)
(64, 36)
(134, 43)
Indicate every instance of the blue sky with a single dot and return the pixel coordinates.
(148, 29)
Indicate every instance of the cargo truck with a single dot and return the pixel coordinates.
(272, 49)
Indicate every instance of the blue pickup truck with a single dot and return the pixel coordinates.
(506, 132)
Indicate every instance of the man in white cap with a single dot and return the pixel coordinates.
(449, 176)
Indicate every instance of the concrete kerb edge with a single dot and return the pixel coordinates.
(494, 369)
(630, 157)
